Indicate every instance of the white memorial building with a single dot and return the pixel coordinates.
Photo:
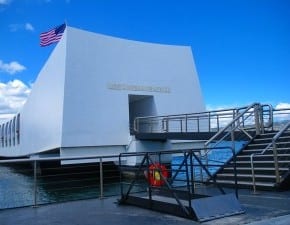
(91, 88)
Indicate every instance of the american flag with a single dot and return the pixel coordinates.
(51, 36)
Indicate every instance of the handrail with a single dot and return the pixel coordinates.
(4, 161)
(273, 144)
(232, 123)
(207, 121)
(271, 117)
(206, 115)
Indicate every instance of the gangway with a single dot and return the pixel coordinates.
(252, 120)
(182, 190)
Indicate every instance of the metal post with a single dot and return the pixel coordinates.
(120, 174)
(101, 179)
(233, 138)
(209, 122)
(187, 178)
(186, 123)
(192, 173)
(35, 182)
(200, 167)
(262, 119)
(276, 162)
(149, 185)
(253, 173)
(257, 119)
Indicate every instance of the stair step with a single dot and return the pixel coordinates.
(246, 175)
(265, 155)
(260, 150)
(266, 143)
(262, 161)
(259, 168)
(247, 183)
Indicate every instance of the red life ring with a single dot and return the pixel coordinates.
(154, 177)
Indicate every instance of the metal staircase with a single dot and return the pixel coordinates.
(255, 154)
(262, 163)
(255, 166)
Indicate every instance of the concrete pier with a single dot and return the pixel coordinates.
(264, 208)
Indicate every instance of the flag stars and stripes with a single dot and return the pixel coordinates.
(52, 36)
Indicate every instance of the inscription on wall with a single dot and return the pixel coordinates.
(129, 87)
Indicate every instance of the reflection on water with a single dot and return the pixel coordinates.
(16, 188)
(71, 183)
(17, 185)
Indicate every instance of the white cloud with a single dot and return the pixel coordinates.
(4, 2)
(283, 112)
(13, 95)
(283, 105)
(14, 27)
(19, 26)
(29, 27)
(12, 67)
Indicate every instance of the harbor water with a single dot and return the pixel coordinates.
(18, 187)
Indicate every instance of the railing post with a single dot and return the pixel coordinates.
(261, 113)
(233, 138)
(200, 167)
(186, 123)
(35, 182)
(257, 119)
(101, 179)
(253, 173)
(276, 162)
(209, 125)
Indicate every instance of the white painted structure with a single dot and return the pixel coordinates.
(92, 87)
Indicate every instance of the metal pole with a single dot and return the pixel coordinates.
(186, 123)
(192, 173)
(276, 162)
(257, 122)
(209, 122)
(101, 179)
(35, 182)
(253, 173)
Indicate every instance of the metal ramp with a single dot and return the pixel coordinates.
(182, 190)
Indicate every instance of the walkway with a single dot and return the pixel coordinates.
(265, 208)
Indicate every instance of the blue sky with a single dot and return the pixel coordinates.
(241, 47)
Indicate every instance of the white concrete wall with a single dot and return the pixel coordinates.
(97, 115)
(41, 116)
(80, 98)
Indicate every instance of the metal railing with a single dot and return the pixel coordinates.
(194, 122)
(271, 147)
(247, 120)
(182, 184)
(44, 180)
(209, 121)
(280, 118)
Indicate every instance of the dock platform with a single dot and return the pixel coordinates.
(263, 208)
